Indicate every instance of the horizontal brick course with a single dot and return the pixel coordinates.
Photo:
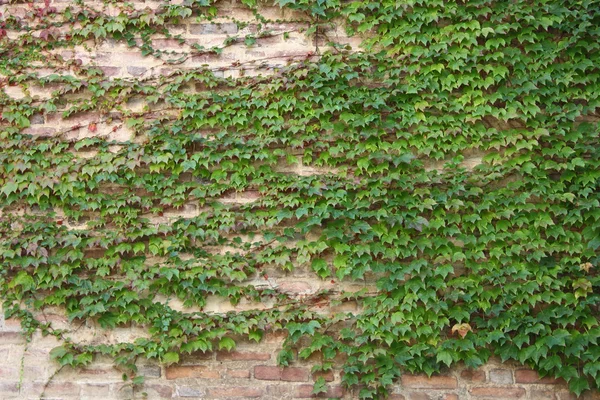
(435, 382)
(473, 375)
(211, 29)
(293, 374)
(11, 338)
(530, 376)
(242, 356)
(328, 376)
(267, 373)
(305, 392)
(227, 392)
(192, 371)
(238, 373)
(498, 392)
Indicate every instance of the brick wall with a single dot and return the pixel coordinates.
(251, 370)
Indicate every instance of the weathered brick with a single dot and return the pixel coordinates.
(4, 352)
(191, 371)
(37, 119)
(206, 58)
(136, 71)
(435, 382)
(279, 391)
(473, 375)
(347, 306)
(39, 131)
(190, 391)
(542, 395)
(396, 397)
(565, 395)
(11, 338)
(591, 395)
(95, 390)
(110, 71)
(149, 371)
(267, 373)
(167, 44)
(8, 387)
(58, 389)
(450, 396)
(213, 29)
(498, 392)
(238, 373)
(305, 392)
(530, 376)
(294, 374)
(158, 390)
(251, 392)
(501, 376)
(295, 288)
(328, 376)
(418, 396)
(242, 356)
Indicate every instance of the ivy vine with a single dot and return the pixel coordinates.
(467, 261)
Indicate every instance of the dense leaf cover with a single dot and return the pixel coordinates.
(497, 260)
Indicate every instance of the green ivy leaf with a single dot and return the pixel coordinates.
(170, 358)
(226, 343)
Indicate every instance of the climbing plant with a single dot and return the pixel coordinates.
(467, 262)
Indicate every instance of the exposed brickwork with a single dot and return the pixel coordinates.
(192, 371)
(250, 371)
(434, 382)
(267, 373)
(529, 376)
(498, 392)
(227, 392)
(242, 356)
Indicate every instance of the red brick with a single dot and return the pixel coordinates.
(566, 396)
(498, 392)
(450, 396)
(435, 382)
(530, 376)
(293, 374)
(267, 373)
(305, 392)
(242, 356)
(396, 397)
(275, 337)
(418, 396)
(473, 375)
(591, 395)
(236, 392)
(238, 373)
(328, 376)
(191, 371)
(542, 395)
